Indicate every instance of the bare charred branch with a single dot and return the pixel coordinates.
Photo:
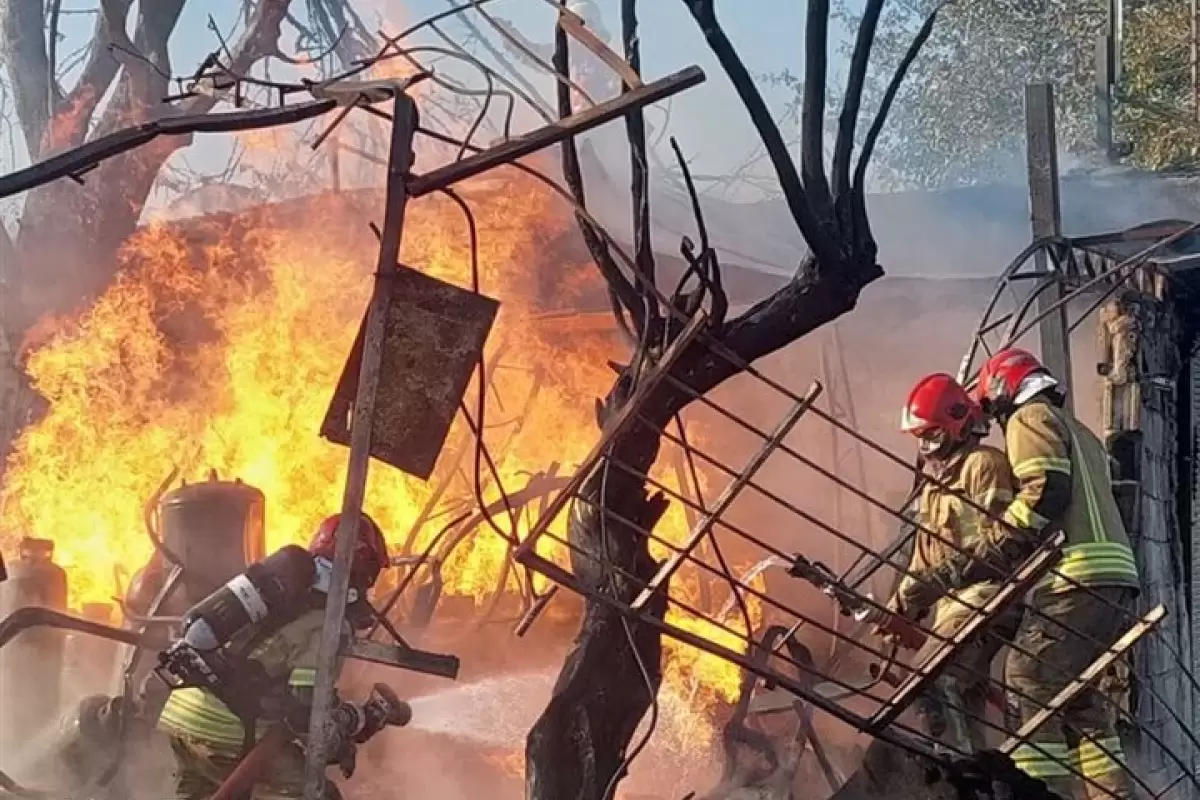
(8, 257)
(75, 110)
(889, 96)
(621, 290)
(142, 84)
(848, 121)
(89, 155)
(789, 180)
(635, 125)
(260, 40)
(53, 93)
(515, 76)
(812, 113)
(23, 39)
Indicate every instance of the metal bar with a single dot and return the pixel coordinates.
(623, 417)
(1046, 219)
(320, 730)
(37, 617)
(1103, 94)
(1072, 690)
(564, 578)
(1013, 590)
(735, 487)
(575, 26)
(403, 656)
(556, 132)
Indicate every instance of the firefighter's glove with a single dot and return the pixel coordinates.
(925, 588)
(346, 757)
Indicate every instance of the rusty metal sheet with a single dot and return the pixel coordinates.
(434, 334)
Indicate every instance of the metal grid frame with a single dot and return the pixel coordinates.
(885, 721)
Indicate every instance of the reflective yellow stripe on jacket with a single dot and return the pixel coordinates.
(1099, 759)
(1042, 440)
(1043, 760)
(197, 714)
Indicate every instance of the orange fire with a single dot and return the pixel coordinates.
(219, 347)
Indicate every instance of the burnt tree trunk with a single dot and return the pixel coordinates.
(579, 743)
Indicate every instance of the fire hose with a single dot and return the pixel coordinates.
(384, 709)
(862, 608)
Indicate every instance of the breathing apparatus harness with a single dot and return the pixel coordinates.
(222, 630)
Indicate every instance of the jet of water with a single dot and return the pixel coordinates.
(495, 712)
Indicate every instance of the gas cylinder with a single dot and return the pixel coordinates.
(216, 528)
(92, 663)
(31, 665)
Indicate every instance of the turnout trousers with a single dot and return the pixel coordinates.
(953, 707)
(1077, 751)
(201, 770)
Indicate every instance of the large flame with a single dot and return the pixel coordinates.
(218, 347)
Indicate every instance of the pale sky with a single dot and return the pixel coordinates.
(709, 122)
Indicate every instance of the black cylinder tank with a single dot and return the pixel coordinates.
(31, 665)
(216, 529)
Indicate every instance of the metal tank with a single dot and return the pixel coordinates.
(92, 663)
(215, 528)
(31, 665)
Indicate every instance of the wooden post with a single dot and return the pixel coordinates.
(1046, 218)
(320, 733)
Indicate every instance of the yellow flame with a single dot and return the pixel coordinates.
(218, 347)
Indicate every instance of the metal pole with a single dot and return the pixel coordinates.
(1046, 218)
(1104, 94)
(1117, 26)
(320, 733)
(1195, 56)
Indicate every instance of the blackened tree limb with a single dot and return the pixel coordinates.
(8, 256)
(53, 92)
(23, 39)
(60, 264)
(812, 112)
(789, 180)
(621, 288)
(145, 80)
(74, 112)
(858, 200)
(259, 40)
(84, 157)
(635, 126)
(860, 59)
(889, 96)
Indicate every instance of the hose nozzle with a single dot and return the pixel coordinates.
(393, 711)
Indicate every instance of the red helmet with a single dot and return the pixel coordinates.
(370, 552)
(939, 410)
(1002, 376)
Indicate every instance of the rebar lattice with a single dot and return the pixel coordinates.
(876, 706)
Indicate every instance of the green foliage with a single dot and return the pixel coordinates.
(1157, 112)
(960, 118)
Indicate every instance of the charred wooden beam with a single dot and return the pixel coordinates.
(554, 133)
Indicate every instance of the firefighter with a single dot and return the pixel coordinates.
(949, 427)
(1063, 483)
(208, 739)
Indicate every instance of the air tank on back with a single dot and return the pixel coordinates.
(31, 665)
(216, 528)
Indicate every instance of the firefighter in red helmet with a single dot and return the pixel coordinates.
(1063, 484)
(949, 427)
(370, 552)
(208, 738)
